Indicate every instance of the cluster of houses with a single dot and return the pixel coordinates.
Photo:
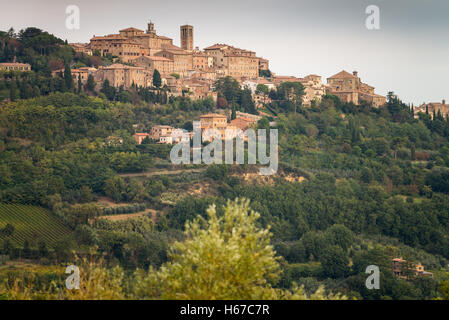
(218, 123)
(189, 70)
(432, 108)
(138, 53)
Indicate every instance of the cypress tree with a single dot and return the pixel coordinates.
(80, 85)
(90, 83)
(157, 81)
(68, 77)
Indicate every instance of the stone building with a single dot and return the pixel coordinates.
(139, 137)
(81, 48)
(131, 43)
(15, 66)
(160, 130)
(349, 88)
(219, 123)
(404, 270)
(116, 45)
(213, 121)
(165, 66)
(263, 64)
(83, 73)
(240, 67)
(234, 62)
(201, 61)
(313, 89)
(123, 75)
(149, 40)
(433, 107)
(187, 37)
(199, 89)
(182, 60)
(243, 123)
(176, 136)
(397, 267)
(216, 125)
(174, 85)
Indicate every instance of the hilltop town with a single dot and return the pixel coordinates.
(186, 70)
(139, 53)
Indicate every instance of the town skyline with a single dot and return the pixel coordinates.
(301, 49)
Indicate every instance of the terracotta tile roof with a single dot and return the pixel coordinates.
(213, 115)
(79, 45)
(109, 37)
(120, 66)
(174, 49)
(131, 29)
(157, 58)
(14, 64)
(342, 75)
(216, 46)
(236, 54)
(280, 79)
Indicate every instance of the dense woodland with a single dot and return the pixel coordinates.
(374, 185)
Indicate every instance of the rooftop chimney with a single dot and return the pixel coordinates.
(355, 73)
(444, 102)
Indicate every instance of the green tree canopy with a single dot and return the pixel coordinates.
(225, 257)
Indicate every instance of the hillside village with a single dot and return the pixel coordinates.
(189, 69)
(186, 70)
(362, 176)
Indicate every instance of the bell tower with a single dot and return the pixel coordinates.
(187, 37)
(150, 29)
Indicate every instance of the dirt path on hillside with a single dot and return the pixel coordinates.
(118, 217)
(162, 172)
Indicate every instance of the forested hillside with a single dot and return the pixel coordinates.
(374, 186)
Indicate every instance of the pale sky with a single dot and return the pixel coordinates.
(408, 55)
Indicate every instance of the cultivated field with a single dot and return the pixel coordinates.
(31, 223)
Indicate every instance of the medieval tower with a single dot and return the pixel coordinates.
(150, 29)
(187, 37)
